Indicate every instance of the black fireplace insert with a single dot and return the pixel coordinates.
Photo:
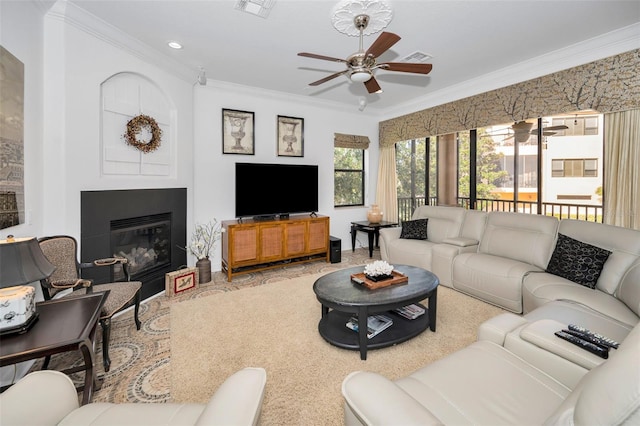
(147, 226)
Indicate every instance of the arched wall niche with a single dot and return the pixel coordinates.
(606, 85)
(123, 96)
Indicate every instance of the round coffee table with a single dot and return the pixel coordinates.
(341, 298)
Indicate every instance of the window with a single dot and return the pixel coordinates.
(348, 177)
(348, 169)
(574, 167)
(577, 126)
(411, 163)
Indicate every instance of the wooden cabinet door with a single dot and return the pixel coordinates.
(295, 238)
(318, 235)
(271, 242)
(243, 243)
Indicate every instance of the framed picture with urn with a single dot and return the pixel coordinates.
(290, 136)
(238, 129)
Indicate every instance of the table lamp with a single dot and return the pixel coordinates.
(21, 262)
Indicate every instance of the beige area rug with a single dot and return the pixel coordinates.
(275, 326)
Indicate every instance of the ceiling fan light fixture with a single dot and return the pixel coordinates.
(361, 76)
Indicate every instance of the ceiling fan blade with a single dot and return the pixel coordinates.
(372, 85)
(407, 67)
(382, 44)
(330, 77)
(560, 127)
(545, 133)
(549, 129)
(324, 58)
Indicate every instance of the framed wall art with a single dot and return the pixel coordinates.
(290, 136)
(180, 281)
(12, 87)
(238, 130)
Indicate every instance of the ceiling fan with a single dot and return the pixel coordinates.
(361, 64)
(521, 130)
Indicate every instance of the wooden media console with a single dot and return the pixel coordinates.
(251, 245)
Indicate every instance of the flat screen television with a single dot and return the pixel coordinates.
(266, 190)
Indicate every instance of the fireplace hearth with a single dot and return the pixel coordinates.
(147, 226)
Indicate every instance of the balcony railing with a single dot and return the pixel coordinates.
(591, 213)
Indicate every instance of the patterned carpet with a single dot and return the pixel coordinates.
(141, 360)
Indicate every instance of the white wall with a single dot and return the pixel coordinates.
(214, 172)
(76, 62)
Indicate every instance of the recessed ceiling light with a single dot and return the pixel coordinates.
(259, 8)
(174, 45)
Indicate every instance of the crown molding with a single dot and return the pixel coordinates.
(609, 44)
(77, 17)
(284, 96)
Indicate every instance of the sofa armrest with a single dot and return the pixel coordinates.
(372, 399)
(238, 401)
(442, 256)
(390, 234)
(387, 236)
(39, 398)
(496, 329)
(461, 241)
(541, 334)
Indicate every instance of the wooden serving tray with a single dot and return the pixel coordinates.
(398, 278)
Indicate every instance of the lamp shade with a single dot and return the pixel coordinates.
(22, 262)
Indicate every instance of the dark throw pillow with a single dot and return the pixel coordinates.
(414, 229)
(577, 261)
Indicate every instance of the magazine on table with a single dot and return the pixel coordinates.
(375, 324)
(412, 311)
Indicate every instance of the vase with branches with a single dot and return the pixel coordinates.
(202, 246)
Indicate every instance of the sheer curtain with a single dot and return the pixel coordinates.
(386, 189)
(622, 169)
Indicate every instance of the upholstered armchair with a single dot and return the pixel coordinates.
(48, 398)
(61, 251)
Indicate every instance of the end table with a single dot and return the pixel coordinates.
(372, 230)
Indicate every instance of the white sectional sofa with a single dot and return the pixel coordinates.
(519, 371)
(502, 257)
(450, 231)
(487, 384)
(511, 246)
(618, 294)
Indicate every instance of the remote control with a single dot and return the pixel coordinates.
(604, 340)
(589, 338)
(357, 281)
(588, 346)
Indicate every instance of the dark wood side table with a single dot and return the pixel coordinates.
(372, 230)
(341, 298)
(63, 325)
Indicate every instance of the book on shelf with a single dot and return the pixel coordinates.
(375, 324)
(412, 311)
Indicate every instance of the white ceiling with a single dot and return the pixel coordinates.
(466, 39)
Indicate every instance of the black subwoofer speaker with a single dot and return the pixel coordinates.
(335, 249)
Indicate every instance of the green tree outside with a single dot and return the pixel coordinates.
(488, 171)
(348, 164)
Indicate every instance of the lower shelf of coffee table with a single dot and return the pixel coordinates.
(333, 329)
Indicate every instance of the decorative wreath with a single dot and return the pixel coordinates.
(135, 125)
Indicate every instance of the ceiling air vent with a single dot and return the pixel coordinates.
(259, 8)
(417, 57)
